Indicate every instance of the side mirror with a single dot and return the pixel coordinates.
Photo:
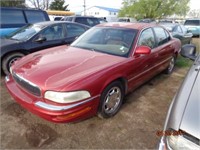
(40, 39)
(189, 51)
(189, 31)
(142, 50)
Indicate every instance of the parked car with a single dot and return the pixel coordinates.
(168, 21)
(14, 18)
(126, 19)
(93, 75)
(193, 25)
(35, 37)
(58, 18)
(102, 20)
(147, 20)
(87, 20)
(179, 31)
(181, 130)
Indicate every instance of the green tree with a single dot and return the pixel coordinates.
(154, 8)
(58, 5)
(12, 3)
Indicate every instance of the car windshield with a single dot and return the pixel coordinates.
(114, 41)
(192, 22)
(25, 32)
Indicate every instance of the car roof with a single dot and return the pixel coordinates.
(80, 17)
(47, 23)
(128, 25)
(21, 8)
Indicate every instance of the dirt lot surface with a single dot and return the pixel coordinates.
(134, 127)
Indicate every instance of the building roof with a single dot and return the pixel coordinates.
(108, 9)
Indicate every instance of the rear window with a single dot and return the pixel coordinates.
(74, 30)
(35, 16)
(8, 15)
(192, 22)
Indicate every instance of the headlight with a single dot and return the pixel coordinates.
(179, 142)
(66, 97)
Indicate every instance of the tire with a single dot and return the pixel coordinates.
(8, 60)
(111, 100)
(171, 65)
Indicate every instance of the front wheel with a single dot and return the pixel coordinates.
(8, 60)
(171, 65)
(111, 100)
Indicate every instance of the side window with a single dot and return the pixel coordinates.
(70, 19)
(92, 21)
(161, 36)
(8, 15)
(53, 32)
(178, 29)
(74, 30)
(168, 36)
(34, 16)
(81, 20)
(147, 38)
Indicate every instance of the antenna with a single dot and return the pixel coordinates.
(84, 6)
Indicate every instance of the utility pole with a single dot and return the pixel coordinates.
(84, 6)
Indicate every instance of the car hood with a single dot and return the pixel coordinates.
(60, 67)
(8, 42)
(184, 110)
(191, 118)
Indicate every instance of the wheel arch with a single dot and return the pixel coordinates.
(16, 51)
(121, 79)
(10, 53)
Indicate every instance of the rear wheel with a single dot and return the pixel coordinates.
(171, 65)
(111, 100)
(8, 60)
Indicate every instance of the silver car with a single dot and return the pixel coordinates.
(182, 126)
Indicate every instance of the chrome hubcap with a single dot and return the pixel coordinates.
(112, 99)
(171, 64)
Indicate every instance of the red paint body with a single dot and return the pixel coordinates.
(72, 69)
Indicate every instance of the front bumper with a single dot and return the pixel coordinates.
(51, 112)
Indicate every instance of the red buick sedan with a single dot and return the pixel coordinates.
(92, 76)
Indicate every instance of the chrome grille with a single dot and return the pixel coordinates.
(27, 85)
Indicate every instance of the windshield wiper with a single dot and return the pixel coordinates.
(14, 39)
